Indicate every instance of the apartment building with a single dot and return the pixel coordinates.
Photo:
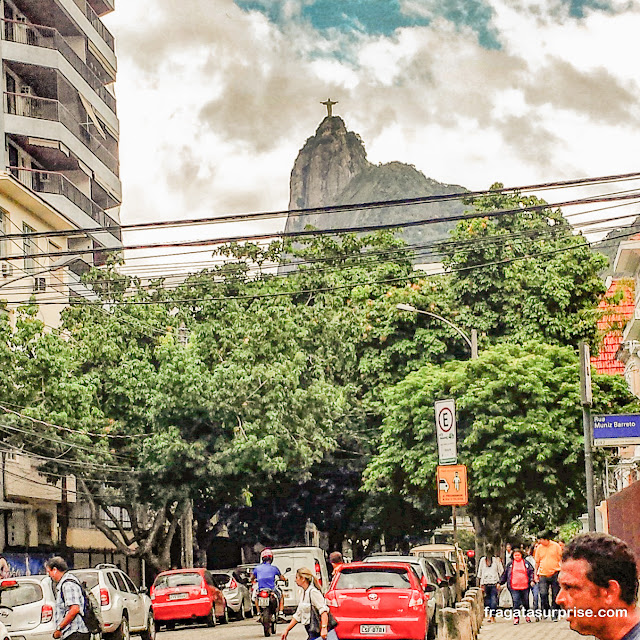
(60, 131)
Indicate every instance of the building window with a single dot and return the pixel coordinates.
(29, 249)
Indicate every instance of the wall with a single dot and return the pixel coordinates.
(624, 516)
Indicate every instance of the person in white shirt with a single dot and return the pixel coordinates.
(311, 596)
(490, 570)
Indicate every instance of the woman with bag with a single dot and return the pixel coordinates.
(312, 611)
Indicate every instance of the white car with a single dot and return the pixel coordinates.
(26, 607)
(125, 608)
(4, 634)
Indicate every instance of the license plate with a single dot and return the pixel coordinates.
(263, 602)
(373, 629)
(178, 596)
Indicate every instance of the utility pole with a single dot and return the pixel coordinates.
(586, 398)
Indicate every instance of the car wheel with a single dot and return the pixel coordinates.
(224, 618)
(149, 632)
(211, 617)
(122, 632)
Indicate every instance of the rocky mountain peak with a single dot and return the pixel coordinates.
(326, 164)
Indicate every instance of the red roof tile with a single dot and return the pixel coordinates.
(611, 325)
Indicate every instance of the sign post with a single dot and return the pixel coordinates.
(587, 399)
(446, 431)
(447, 446)
(452, 485)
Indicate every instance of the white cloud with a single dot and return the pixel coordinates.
(215, 102)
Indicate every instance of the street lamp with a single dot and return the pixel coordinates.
(471, 341)
(473, 345)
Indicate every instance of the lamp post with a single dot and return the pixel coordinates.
(473, 345)
(471, 341)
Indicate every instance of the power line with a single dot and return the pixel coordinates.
(414, 275)
(68, 429)
(380, 204)
(70, 463)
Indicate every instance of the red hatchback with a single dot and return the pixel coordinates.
(182, 595)
(378, 600)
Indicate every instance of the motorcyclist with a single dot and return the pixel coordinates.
(266, 575)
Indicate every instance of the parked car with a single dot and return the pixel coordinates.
(445, 582)
(125, 608)
(26, 607)
(453, 553)
(184, 595)
(4, 634)
(289, 560)
(236, 592)
(427, 577)
(381, 599)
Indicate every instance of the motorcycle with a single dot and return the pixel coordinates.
(267, 610)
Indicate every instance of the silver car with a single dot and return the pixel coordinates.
(125, 608)
(26, 607)
(236, 592)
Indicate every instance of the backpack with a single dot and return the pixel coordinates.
(91, 612)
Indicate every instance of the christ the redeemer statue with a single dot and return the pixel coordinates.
(329, 104)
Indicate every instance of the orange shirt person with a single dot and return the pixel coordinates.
(548, 555)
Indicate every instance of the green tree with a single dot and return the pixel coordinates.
(519, 433)
(525, 273)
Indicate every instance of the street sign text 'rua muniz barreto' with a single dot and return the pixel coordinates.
(611, 430)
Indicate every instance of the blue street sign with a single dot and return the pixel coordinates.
(616, 430)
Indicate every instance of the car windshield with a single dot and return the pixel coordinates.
(412, 561)
(221, 580)
(438, 565)
(376, 577)
(178, 580)
(88, 578)
(25, 593)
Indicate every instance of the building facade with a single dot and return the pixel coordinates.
(60, 132)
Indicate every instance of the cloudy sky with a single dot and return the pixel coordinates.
(216, 97)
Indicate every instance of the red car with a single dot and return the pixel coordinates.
(183, 595)
(378, 600)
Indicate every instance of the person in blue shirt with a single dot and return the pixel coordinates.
(266, 575)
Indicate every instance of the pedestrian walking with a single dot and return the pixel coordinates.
(508, 554)
(312, 603)
(599, 587)
(518, 576)
(69, 602)
(535, 588)
(548, 555)
(489, 572)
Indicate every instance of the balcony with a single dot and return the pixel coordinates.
(27, 106)
(102, 6)
(96, 23)
(48, 38)
(55, 183)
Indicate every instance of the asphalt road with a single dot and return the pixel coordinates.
(235, 630)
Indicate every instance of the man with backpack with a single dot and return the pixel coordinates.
(71, 602)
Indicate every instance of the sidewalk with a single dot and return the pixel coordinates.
(544, 630)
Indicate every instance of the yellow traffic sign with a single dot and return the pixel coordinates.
(452, 485)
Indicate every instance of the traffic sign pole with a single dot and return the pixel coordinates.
(586, 398)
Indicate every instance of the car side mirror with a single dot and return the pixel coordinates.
(452, 580)
(287, 570)
(429, 588)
